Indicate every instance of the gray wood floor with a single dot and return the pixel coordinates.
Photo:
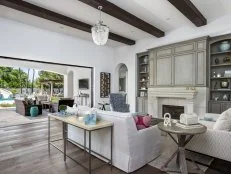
(24, 150)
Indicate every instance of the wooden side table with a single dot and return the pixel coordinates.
(183, 138)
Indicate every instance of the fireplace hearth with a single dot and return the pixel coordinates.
(175, 111)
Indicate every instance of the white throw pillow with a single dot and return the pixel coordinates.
(224, 121)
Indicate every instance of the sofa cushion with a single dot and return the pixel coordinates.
(224, 121)
(142, 122)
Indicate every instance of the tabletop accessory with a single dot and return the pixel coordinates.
(91, 117)
(184, 126)
(189, 119)
(62, 109)
(167, 119)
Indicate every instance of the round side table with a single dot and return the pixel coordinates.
(183, 138)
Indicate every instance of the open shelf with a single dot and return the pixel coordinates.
(220, 90)
(223, 64)
(219, 52)
(217, 78)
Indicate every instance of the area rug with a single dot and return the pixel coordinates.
(169, 148)
(8, 117)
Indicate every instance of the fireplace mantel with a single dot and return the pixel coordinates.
(178, 93)
(172, 92)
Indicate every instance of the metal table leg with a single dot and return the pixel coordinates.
(64, 140)
(49, 120)
(111, 145)
(84, 142)
(89, 152)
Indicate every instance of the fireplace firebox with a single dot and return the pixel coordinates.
(175, 111)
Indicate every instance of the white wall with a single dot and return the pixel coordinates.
(127, 54)
(23, 41)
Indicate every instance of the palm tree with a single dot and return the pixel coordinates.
(27, 82)
(32, 86)
(20, 79)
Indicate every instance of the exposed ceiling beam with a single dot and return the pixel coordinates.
(125, 16)
(190, 11)
(58, 18)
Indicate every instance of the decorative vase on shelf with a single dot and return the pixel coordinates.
(224, 84)
(225, 46)
(217, 61)
(146, 59)
(226, 59)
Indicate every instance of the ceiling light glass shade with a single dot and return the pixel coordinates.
(100, 33)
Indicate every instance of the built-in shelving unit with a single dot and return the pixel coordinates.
(143, 74)
(220, 74)
(142, 81)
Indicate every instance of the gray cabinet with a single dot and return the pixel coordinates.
(218, 106)
(184, 69)
(180, 64)
(142, 104)
(163, 71)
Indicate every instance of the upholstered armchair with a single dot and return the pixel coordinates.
(118, 102)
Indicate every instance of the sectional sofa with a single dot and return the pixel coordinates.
(132, 149)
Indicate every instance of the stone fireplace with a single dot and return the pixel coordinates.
(176, 96)
(175, 111)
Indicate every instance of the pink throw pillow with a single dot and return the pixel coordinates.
(142, 121)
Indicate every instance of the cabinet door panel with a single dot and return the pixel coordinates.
(214, 107)
(184, 68)
(201, 45)
(186, 47)
(164, 71)
(139, 105)
(145, 105)
(164, 52)
(200, 69)
(225, 106)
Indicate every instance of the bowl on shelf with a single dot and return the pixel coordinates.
(225, 46)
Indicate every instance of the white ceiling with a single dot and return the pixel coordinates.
(159, 13)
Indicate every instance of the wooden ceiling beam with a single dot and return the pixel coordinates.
(189, 10)
(124, 16)
(58, 18)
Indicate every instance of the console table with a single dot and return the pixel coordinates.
(73, 120)
(183, 138)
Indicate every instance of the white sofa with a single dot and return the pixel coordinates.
(215, 143)
(132, 149)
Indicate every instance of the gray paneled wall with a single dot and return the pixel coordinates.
(180, 64)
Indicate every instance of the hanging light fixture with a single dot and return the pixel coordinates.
(100, 32)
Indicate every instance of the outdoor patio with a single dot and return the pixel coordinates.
(8, 117)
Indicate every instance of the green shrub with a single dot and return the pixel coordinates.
(6, 105)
